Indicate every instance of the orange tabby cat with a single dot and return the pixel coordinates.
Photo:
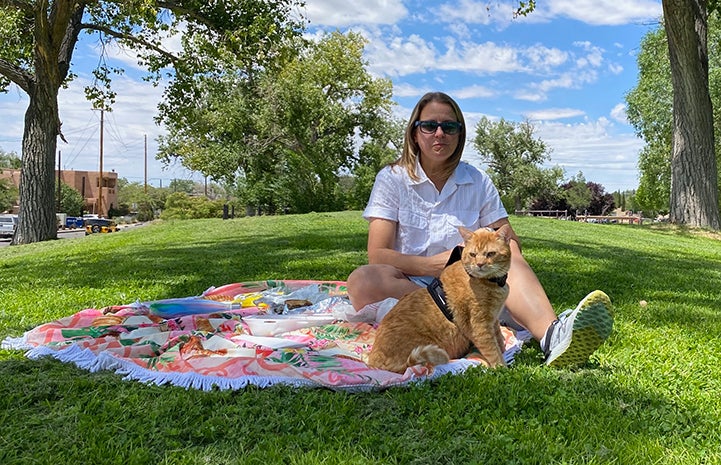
(416, 331)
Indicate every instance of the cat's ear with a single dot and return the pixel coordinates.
(504, 232)
(466, 233)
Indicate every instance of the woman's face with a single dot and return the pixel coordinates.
(437, 147)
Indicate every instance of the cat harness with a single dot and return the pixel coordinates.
(435, 288)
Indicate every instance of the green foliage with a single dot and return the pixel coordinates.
(9, 160)
(626, 200)
(284, 136)
(181, 206)
(71, 201)
(650, 111)
(8, 191)
(514, 159)
(577, 194)
(649, 395)
(142, 201)
(182, 185)
(382, 149)
(8, 195)
(212, 34)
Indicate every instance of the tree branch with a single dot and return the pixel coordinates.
(189, 12)
(19, 4)
(132, 39)
(17, 75)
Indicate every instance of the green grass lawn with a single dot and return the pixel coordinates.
(652, 394)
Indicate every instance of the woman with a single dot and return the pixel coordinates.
(413, 213)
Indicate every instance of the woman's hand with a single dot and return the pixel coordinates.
(381, 242)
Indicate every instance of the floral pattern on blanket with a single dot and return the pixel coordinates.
(207, 342)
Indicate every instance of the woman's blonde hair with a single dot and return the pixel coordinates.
(411, 151)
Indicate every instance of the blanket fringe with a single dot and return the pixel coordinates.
(86, 359)
(15, 343)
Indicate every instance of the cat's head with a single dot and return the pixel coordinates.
(486, 253)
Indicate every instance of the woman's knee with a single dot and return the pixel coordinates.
(369, 283)
(366, 276)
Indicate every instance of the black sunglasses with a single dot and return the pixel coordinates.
(450, 128)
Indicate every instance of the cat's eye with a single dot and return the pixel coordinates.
(472, 254)
(490, 254)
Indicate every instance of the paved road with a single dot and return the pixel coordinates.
(62, 234)
(65, 234)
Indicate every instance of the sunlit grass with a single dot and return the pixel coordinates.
(652, 394)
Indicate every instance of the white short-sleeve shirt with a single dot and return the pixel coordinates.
(428, 219)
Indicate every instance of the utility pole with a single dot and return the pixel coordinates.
(100, 187)
(146, 164)
(57, 210)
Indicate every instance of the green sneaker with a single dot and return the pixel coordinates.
(576, 334)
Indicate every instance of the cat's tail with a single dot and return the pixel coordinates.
(428, 355)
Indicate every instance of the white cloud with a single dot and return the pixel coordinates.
(541, 58)
(602, 12)
(593, 56)
(403, 89)
(568, 80)
(594, 148)
(528, 95)
(340, 13)
(485, 58)
(400, 56)
(550, 114)
(472, 12)
(474, 91)
(615, 68)
(618, 113)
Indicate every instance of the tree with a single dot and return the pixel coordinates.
(694, 175)
(9, 160)
(181, 206)
(601, 202)
(71, 201)
(289, 131)
(514, 159)
(649, 109)
(374, 155)
(39, 39)
(8, 195)
(182, 185)
(577, 194)
(8, 191)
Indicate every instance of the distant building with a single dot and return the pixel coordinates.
(85, 182)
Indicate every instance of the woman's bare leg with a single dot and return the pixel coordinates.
(527, 301)
(372, 283)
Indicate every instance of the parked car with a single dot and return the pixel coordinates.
(73, 222)
(8, 223)
(99, 225)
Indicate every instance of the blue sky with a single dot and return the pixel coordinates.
(565, 68)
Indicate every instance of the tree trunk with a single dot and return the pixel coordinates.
(55, 33)
(37, 220)
(694, 179)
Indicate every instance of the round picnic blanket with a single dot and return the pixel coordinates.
(302, 333)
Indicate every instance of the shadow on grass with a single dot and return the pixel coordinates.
(527, 414)
(189, 268)
(680, 289)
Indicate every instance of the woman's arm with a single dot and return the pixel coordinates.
(381, 239)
